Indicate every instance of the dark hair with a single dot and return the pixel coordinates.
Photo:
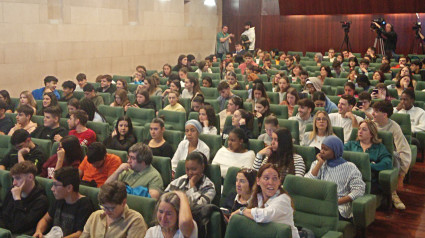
(96, 151)
(250, 175)
(130, 126)
(54, 110)
(81, 77)
(261, 88)
(271, 120)
(364, 61)
(159, 121)
(143, 153)
(384, 107)
(350, 99)
(319, 95)
(248, 23)
(365, 96)
(247, 54)
(336, 64)
(381, 75)
(178, 85)
(208, 79)
(114, 192)
(223, 85)
(410, 93)
(209, 110)
(25, 167)
(69, 84)
(107, 77)
(19, 136)
(283, 157)
(362, 80)
(237, 101)
(304, 72)
(306, 102)
(240, 134)
(249, 118)
(351, 85)
(141, 67)
(385, 68)
(199, 157)
(144, 93)
(27, 110)
(72, 147)
(49, 79)
(265, 103)
(3, 105)
(328, 70)
(190, 57)
(398, 83)
(124, 83)
(81, 115)
(88, 106)
(68, 176)
(202, 64)
(88, 88)
(74, 102)
(53, 99)
(6, 96)
(179, 60)
(354, 59)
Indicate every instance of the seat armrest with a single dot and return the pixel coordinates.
(388, 180)
(364, 209)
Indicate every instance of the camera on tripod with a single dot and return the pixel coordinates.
(417, 26)
(381, 22)
(345, 25)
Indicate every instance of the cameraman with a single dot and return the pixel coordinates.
(390, 38)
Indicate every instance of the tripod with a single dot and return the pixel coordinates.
(419, 44)
(346, 41)
(379, 41)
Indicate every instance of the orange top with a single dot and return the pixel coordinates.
(112, 162)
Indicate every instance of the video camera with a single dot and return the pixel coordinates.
(346, 25)
(380, 21)
(417, 26)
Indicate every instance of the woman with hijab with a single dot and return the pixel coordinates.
(330, 166)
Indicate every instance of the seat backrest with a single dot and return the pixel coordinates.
(308, 153)
(315, 203)
(213, 142)
(129, 79)
(274, 97)
(241, 93)
(173, 137)
(175, 119)
(47, 185)
(139, 132)
(403, 119)
(144, 205)
(100, 128)
(158, 101)
(45, 145)
(38, 119)
(140, 115)
(163, 165)
(213, 173)
(5, 145)
(214, 103)
(229, 184)
(91, 193)
(280, 111)
(362, 162)
(210, 93)
(120, 153)
(338, 131)
(64, 107)
(195, 116)
(255, 145)
(292, 126)
(386, 137)
(107, 98)
(111, 114)
(5, 183)
(243, 227)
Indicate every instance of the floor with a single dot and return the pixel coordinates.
(407, 223)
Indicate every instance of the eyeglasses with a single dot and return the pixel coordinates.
(54, 184)
(321, 119)
(107, 209)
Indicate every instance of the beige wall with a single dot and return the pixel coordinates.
(66, 37)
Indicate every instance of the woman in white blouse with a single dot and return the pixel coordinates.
(192, 143)
(322, 128)
(207, 119)
(173, 217)
(236, 154)
(269, 202)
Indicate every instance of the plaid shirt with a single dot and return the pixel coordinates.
(203, 193)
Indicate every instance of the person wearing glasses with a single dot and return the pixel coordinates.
(138, 172)
(70, 210)
(322, 128)
(114, 214)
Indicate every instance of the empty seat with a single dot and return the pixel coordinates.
(175, 119)
(111, 114)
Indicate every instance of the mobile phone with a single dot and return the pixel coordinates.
(359, 104)
(375, 91)
(225, 211)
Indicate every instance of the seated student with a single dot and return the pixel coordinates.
(344, 117)
(72, 105)
(51, 126)
(151, 86)
(290, 100)
(352, 76)
(70, 210)
(68, 88)
(364, 103)
(203, 68)
(258, 91)
(368, 142)
(349, 89)
(192, 143)
(364, 67)
(174, 85)
(304, 115)
(106, 85)
(207, 119)
(120, 220)
(271, 124)
(234, 104)
(199, 189)
(330, 166)
(313, 85)
(225, 94)
(6, 123)
(269, 201)
(182, 63)
(166, 71)
(139, 69)
(50, 83)
(69, 154)
(282, 84)
(207, 82)
(4, 96)
(23, 149)
(49, 100)
(173, 98)
(143, 100)
(281, 153)
(191, 88)
(362, 82)
(26, 98)
(26, 201)
(236, 154)
(90, 93)
(138, 171)
(382, 111)
(81, 82)
(197, 102)
(90, 108)
(262, 110)
(321, 100)
(122, 84)
(240, 119)
(247, 61)
(232, 81)
(77, 123)
(158, 145)
(245, 181)
(173, 217)
(122, 137)
(322, 128)
(23, 119)
(337, 69)
(98, 165)
(121, 99)
(406, 106)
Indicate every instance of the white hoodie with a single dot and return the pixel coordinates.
(251, 36)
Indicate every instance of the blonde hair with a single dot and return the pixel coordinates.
(329, 130)
(373, 131)
(31, 100)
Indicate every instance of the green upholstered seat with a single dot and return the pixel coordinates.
(229, 183)
(274, 97)
(158, 101)
(212, 75)
(243, 227)
(5, 145)
(100, 128)
(213, 172)
(141, 116)
(163, 165)
(129, 79)
(213, 142)
(4, 233)
(292, 126)
(91, 193)
(139, 132)
(107, 98)
(144, 206)
(241, 93)
(111, 114)
(120, 153)
(195, 116)
(173, 137)
(38, 119)
(45, 145)
(175, 119)
(210, 93)
(280, 111)
(255, 145)
(308, 153)
(5, 183)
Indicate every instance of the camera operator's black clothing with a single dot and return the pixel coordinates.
(390, 41)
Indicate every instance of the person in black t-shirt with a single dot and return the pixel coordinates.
(23, 149)
(51, 126)
(158, 145)
(5, 122)
(68, 91)
(106, 85)
(71, 209)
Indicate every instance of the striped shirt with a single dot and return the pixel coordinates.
(298, 163)
(203, 193)
(348, 180)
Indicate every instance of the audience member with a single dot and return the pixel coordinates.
(290, 100)
(6, 122)
(23, 119)
(234, 104)
(208, 120)
(262, 110)
(225, 94)
(4, 96)
(322, 128)
(90, 108)
(363, 104)
(81, 82)
(106, 85)
(305, 114)
(240, 119)
(344, 117)
(49, 100)
(91, 94)
(173, 98)
(271, 124)
(77, 123)
(26, 98)
(158, 145)
(50, 83)
(120, 99)
(51, 126)
(143, 100)
(122, 137)
(68, 88)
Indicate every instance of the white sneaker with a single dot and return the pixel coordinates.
(398, 204)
